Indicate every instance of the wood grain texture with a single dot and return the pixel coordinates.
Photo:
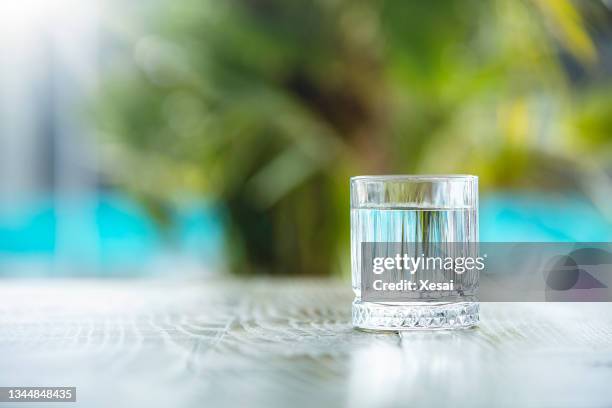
(290, 343)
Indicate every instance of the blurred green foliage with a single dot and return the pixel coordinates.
(270, 105)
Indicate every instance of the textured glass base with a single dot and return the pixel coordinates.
(420, 316)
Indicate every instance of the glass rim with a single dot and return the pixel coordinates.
(415, 191)
(415, 177)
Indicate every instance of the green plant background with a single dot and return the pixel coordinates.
(269, 106)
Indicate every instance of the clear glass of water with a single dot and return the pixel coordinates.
(415, 209)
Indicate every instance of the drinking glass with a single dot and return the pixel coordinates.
(429, 215)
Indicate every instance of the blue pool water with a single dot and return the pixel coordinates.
(115, 232)
(107, 232)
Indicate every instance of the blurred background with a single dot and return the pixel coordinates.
(201, 137)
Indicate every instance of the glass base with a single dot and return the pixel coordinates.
(415, 316)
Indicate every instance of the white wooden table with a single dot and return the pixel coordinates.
(289, 343)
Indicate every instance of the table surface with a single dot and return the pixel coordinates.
(274, 343)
